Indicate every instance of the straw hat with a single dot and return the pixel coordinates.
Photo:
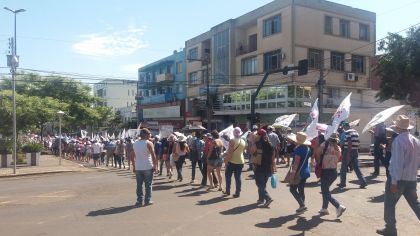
(182, 138)
(299, 138)
(334, 136)
(403, 122)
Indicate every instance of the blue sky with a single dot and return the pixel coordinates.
(114, 38)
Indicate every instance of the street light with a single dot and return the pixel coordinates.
(60, 115)
(14, 64)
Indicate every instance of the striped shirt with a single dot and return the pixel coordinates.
(352, 135)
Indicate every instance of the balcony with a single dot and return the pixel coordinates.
(244, 49)
(164, 77)
(162, 98)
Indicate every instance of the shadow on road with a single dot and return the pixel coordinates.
(276, 222)
(212, 201)
(313, 184)
(111, 211)
(162, 187)
(194, 194)
(188, 190)
(377, 199)
(240, 209)
(302, 224)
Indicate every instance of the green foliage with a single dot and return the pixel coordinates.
(32, 147)
(6, 146)
(399, 68)
(39, 99)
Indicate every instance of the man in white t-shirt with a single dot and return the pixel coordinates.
(146, 164)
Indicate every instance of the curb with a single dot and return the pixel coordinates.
(36, 173)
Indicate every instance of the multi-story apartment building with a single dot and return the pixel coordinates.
(116, 93)
(162, 92)
(338, 38)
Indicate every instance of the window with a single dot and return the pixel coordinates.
(357, 64)
(204, 75)
(333, 93)
(337, 61)
(252, 43)
(272, 60)
(345, 28)
(364, 32)
(193, 53)
(194, 78)
(314, 57)
(179, 67)
(132, 92)
(328, 29)
(249, 66)
(272, 25)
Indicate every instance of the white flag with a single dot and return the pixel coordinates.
(284, 120)
(311, 130)
(229, 132)
(122, 134)
(342, 113)
(83, 133)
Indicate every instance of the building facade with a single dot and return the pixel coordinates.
(162, 92)
(338, 38)
(116, 93)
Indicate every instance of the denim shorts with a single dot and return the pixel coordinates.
(215, 163)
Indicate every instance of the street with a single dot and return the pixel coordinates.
(101, 203)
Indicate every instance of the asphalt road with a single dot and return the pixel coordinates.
(101, 203)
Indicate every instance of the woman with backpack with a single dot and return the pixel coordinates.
(328, 155)
(214, 160)
(196, 155)
(180, 150)
(235, 162)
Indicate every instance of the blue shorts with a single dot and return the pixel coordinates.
(215, 163)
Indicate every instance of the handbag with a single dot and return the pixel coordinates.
(256, 159)
(319, 165)
(297, 177)
(175, 157)
(273, 181)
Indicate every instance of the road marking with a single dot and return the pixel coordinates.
(7, 202)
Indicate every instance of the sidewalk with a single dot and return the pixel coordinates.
(47, 164)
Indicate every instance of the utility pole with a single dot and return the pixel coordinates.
(208, 102)
(321, 83)
(14, 62)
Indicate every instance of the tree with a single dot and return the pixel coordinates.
(399, 68)
(39, 98)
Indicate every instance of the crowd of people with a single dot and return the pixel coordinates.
(265, 148)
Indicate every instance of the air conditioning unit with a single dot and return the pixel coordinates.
(351, 77)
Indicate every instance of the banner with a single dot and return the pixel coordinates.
(284, 120)
(342, 113)
(311, 130)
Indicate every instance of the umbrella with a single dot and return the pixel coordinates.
(381, 117)
(354, 123)
(194, 128)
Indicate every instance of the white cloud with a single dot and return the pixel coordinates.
(132, 67)
(118, 43)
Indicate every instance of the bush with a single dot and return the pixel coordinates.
(6, 146)
(32, 147)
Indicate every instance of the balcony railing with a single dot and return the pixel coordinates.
(162, 98)
(244, 49)
(164, 77)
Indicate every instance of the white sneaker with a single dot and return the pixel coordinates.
(340, 210)
(324, 211)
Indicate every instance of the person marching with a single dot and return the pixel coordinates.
(403, 169)
(350, 156)
(235, 162)
(181, 149)
(300, 167)
(146, 164)
(261, 146)
(329, 154)
(196, 155)
(214, 160)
